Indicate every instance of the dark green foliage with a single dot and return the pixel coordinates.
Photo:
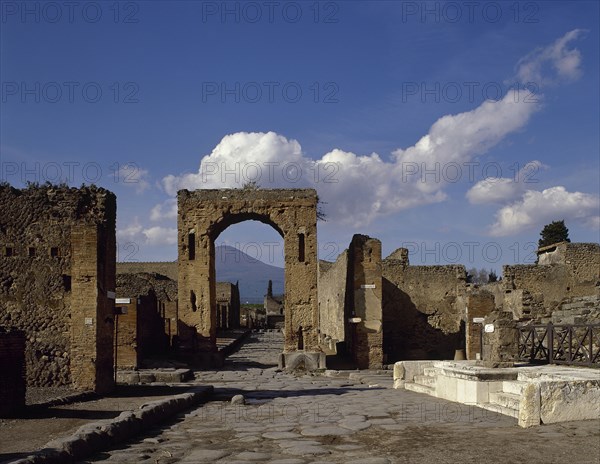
(554, 232)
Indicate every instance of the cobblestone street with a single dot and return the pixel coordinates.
(305, 419)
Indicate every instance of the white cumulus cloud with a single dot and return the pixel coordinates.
(131, 232)
(504, 190)
(160, 235)
(537, 208)
(358, 188)
(165, 210)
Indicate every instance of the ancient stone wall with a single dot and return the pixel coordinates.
(332, 299)
(228, 305)
(423, 309)
(126, 334)
(147, 329)
(166, 268)
(57, 269)
(565, 270)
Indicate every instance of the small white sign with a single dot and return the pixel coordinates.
(89, 321)
(367, 286)
(488, 328)
(111, 295)
(478, 320)
(123, 301)
(354, 320)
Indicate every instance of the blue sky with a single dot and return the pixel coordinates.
(452, 129)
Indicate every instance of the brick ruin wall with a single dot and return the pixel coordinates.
(57, 251)
(332, 298)
(154, 306)
(565, 272)
(166, 268)
(228, 297)
(423, 310)
(423, 307)
(350, 289)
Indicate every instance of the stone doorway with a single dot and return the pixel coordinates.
(202, 216)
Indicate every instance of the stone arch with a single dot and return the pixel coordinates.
(206, 214)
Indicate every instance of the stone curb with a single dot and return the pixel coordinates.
(68, 399)
(96, 436)
(235, 345)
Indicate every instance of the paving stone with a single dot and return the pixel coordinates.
(280, 435)
(282, 424)
(355, 425)
(304, 450)
(349, 447)
(287, 461)
(389, 421)
(291, 443)
(370, 461)
(253, 456)
(324, 431)
(205, 455)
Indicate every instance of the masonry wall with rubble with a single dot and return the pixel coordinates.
(350, 303)
(564, 271)
(166, 268)
(423, 309)
(332, 300)
(57, 269)
(228, 305)
(150, 324)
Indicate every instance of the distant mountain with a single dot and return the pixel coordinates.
(234, 265)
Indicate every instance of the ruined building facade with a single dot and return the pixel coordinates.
(564, 271)
(57, 282)
(382, 310)
(228, 305)
(146, 318)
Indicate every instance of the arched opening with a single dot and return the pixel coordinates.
(249, 260)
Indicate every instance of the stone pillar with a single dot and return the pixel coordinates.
(92, 308)
(500, 340)
(301, 306)
(479, 305)
(196, 290)
(366, 307)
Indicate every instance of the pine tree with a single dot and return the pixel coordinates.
(554, 232)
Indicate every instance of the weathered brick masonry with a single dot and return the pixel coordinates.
(57, 267)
